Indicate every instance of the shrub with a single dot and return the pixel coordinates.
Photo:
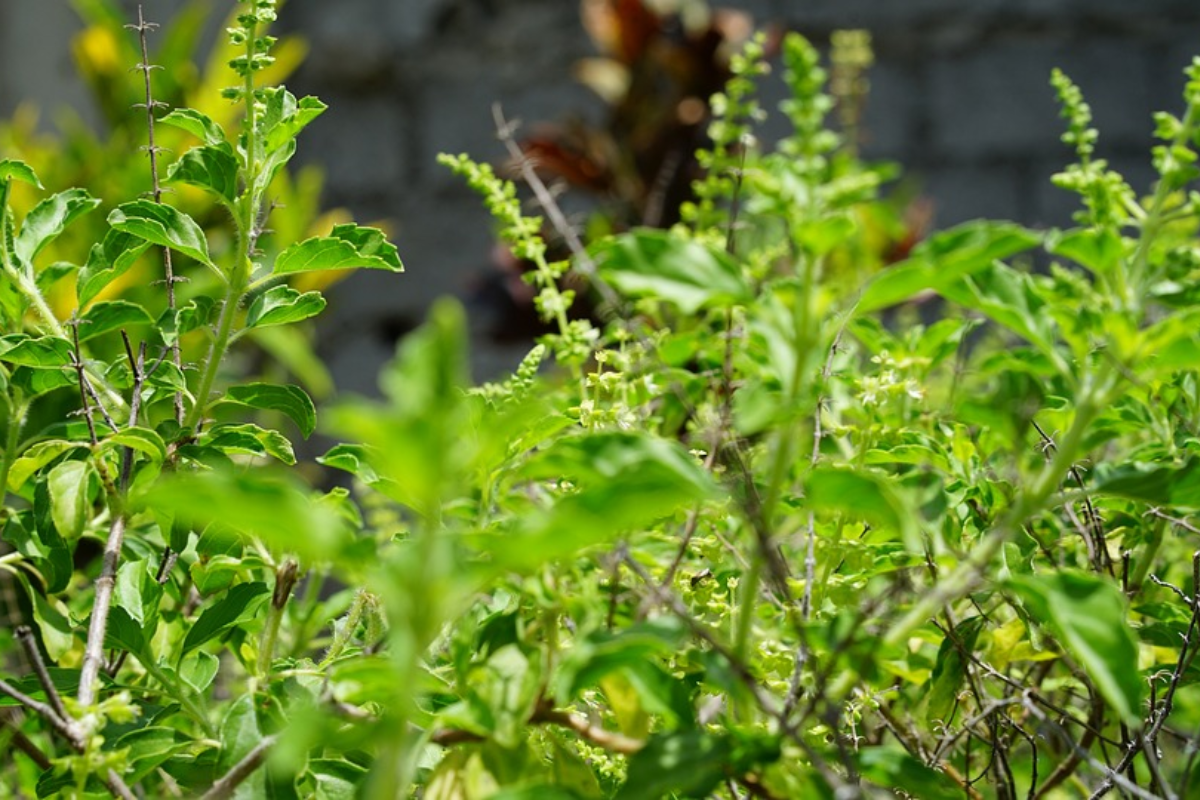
(773, 529)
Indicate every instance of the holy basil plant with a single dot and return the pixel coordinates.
(783, 518)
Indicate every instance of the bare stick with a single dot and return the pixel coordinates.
(25, 636)
(93, 654)
(25, 745)
(61, 725)
(153, 150)
(240, 771)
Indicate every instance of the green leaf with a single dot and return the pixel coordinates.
(12, 169)
(150, 747)
(950, 670)
(1100, 250)
(292, 401)
(70, 501)
(240, 733)
(284, 116)
(683, 272)
(943, 259)
(36, 351)
(348, 246)
(36, 382)
(107, 261)
(1088, 615)
(142, 440)
(213, 168)
(164, 226)
(689, 764)
(48, 219)
(36, 457)
(1158, 484)
(626, 480)
(194, 122)
(1009, 298)
(862, 494)
(111, 315)
(509, 684)
(352, 458)
(601, 652)
(240, 604)
(250, 439)
(261, 503)
(124, 633)
(198, 670)
(52, 619)
(282, 305)
(892, 768)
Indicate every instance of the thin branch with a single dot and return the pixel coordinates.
(60, 724)
(29, 645)
(240, 771)
(25, 744)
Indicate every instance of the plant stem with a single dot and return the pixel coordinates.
(241, 771)
(178, 694)
(93, 655)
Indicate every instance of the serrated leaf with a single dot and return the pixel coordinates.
(348, 246)
(213, 168)
(12, 169)
(35, 382)
(70, 504)
(282, 305)
(285, 116)
(1087, 613)
(945, 258)
(48, 219)
(107, 261)
(194, 122)
(292, 401)
(251, 440)
(46, 352)
(1100, 250)
(111, 315)
(164, 226)
(239, 605)
(686, 273)
(352, 458)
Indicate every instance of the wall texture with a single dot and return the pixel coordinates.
(960, 97)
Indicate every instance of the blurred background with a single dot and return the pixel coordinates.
(611, 98)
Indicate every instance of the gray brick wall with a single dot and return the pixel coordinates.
(961, 98)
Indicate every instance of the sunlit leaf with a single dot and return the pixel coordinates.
(281, 305)
(212, 167)
(1087, 613)
(686, 273)
(348, 246)
(48, 219)
(164, 226)
(291, 401)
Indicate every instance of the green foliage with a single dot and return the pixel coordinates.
(769, 530)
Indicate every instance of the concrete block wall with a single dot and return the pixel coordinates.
(960, 98)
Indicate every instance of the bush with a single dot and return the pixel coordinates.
(774, 529)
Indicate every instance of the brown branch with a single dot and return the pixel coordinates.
(24, 744)
(240, 771)
(25, 636)
(546, 715)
